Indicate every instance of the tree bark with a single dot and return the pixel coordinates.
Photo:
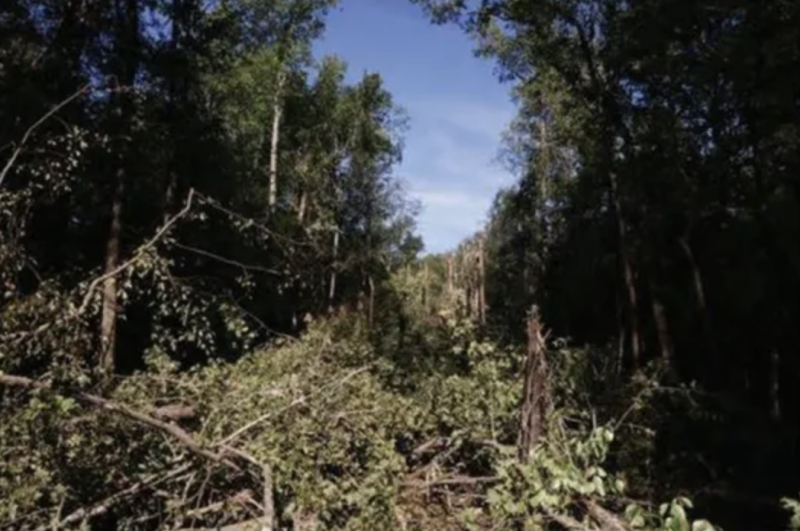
(332, 286)
(662, 326)
(127, 55)
(702, 307)
(302, 206)
(277, 111)
(450, 276)
(535, 399)
(108, 317)
(628, 275)
(481, 280)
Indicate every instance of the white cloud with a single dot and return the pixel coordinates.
(450, 164)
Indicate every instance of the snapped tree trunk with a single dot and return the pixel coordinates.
(535, 401)
(450, 276)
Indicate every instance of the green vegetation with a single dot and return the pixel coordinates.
(214, 313)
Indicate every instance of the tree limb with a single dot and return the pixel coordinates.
(172, 430)
(103, 506)
(94, 284)
(18, 150)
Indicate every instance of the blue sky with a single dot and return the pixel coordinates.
(456, 107)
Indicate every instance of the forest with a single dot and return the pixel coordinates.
(217, 312)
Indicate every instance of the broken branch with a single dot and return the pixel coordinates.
(175, 432)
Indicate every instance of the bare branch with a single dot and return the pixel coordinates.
(19, 148)
(455, 480)
(228, 261)
(255, 422)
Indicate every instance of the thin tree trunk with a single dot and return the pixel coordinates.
(371, 308)
(301, 209)
(174, 93)
(481, 280)
(628, 275)
(277, 111)
(620, 334)
(662, 326)
(332, 290)
(268, 519)
(127, 50)
(424, 293)
(700, 296)
(775, 385)
(450, 276)
(108, 317)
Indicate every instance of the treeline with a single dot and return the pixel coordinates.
(218, 180)
(656, 213)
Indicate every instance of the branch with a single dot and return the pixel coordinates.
(255, 422)
(32, 128)
(567, 522)
(606, 519)
(102, 507)
(138, 255)
(455, 480)
(172, 430)
(228, 261)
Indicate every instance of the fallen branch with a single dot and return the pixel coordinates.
(296, 402)
(102, 507)
(455, 480)
(607, 520)
(248, 525)
(567, 522)
(174, 431)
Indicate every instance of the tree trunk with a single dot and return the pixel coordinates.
(301, 208)
(174, 93)
(127, 55)
(662, 326)
(371, 308)
(535, 401)
(108, 317)
(481, 281)
(268, 519)
(628, 275)
(450, 276)
(332, 289)
(702, 307)
(775, 385)
(277, 111)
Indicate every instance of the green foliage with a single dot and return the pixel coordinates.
(320, 360)
(793, 506)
